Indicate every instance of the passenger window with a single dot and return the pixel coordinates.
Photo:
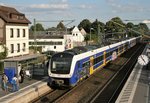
(86, 64)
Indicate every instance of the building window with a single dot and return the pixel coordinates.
(18, 33)
(11, 33)
(18, 47)
(54, 47)
(24, 47)
(24, 32)
(48, 43)
(21, 17)
(12, 48)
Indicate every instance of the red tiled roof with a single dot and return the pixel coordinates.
(7, 12)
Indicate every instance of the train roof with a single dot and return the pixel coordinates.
(77, 50)
(82, 49)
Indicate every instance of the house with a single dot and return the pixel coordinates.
(83, 32)
(14, 31)
(77, 35)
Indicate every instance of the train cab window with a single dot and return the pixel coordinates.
(78, 64)
(61, 63)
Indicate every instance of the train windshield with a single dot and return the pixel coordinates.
(61, 63)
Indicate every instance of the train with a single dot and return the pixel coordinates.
(69, 67)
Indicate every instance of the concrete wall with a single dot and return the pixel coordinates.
(27, 94)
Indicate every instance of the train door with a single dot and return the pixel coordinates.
(91, 65)
(87, 69)
(104, 58)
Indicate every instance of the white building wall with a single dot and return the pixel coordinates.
(1, 48)
(15, 40)
(77, 36)
(59, 48)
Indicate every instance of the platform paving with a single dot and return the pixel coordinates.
(27, 83)
(137, 87)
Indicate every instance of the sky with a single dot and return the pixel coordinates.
(77, 10)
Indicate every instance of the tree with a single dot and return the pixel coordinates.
(98, 30)
(129, 28)
(129, 25)
(87, 38)
(115, 25)
(39, 27)
(95, 24)
(4, 54)
(85, 24)
(144, 27)
(61, 26)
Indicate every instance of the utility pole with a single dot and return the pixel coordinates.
(99, 36)
(35, 42)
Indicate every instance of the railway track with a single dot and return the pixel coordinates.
(87, 89)
(111, 90)
(51, 96)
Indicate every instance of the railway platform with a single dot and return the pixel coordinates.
(137, 87)
(28, 90)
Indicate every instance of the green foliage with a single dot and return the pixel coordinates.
(61, 26)
(129, 25)
(115, 25)
(85, 24)
(87, 38)
(95, 24)
(114, 28)
(39, 27)
(4, 54)
(143, 28)
(39, 48)
(51, 29)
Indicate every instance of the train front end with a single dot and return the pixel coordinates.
(59, 69)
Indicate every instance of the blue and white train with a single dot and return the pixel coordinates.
(69, 67)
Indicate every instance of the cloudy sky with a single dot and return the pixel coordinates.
(103, 10)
